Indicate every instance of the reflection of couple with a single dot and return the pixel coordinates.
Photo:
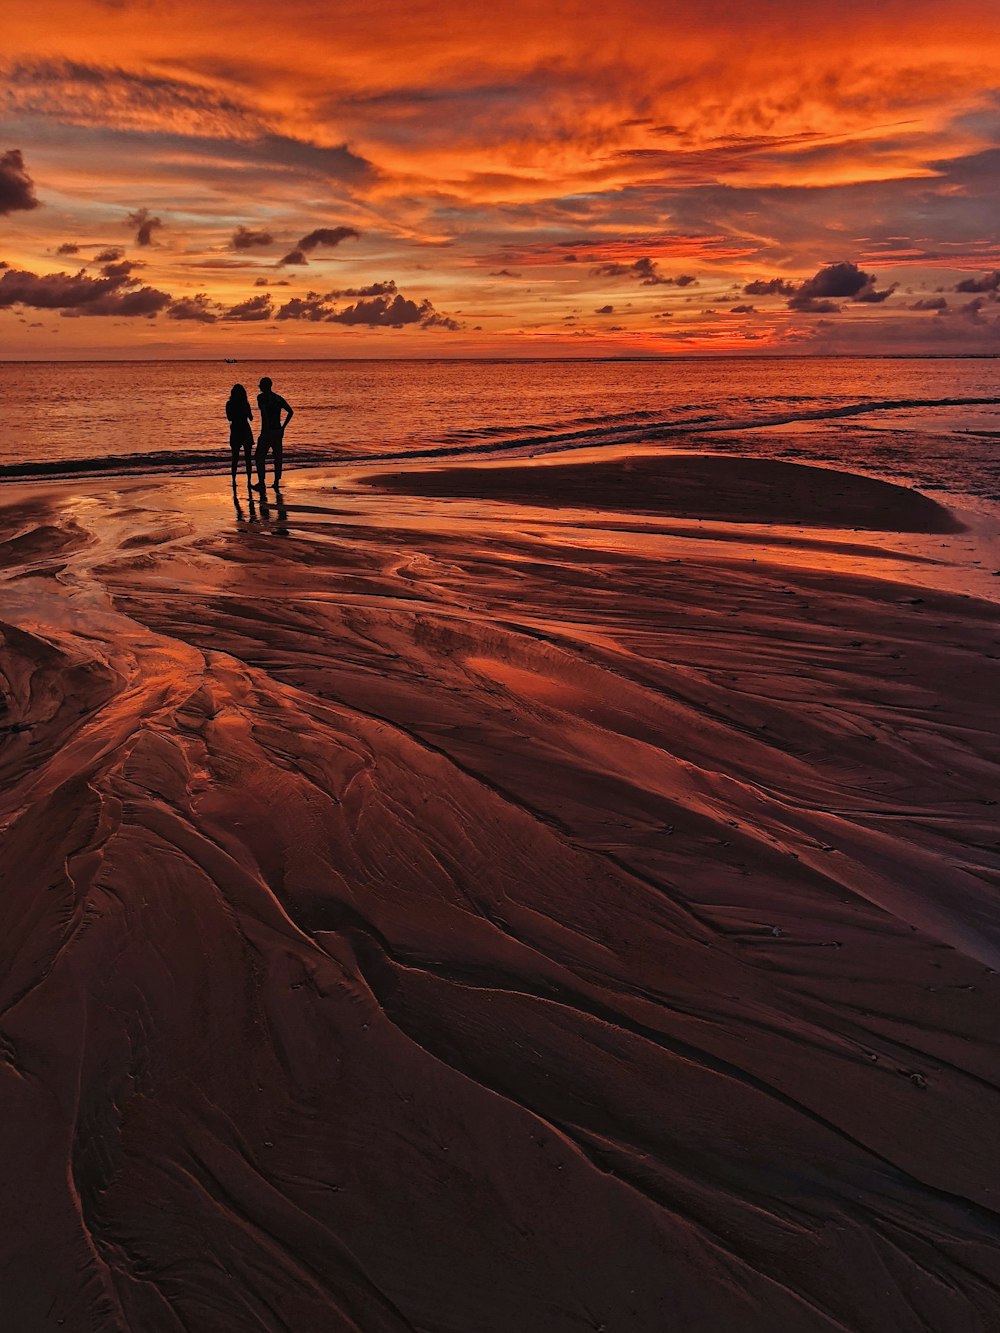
(272, 429)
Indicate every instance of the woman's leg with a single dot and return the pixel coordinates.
(235, 452)
(248, 455)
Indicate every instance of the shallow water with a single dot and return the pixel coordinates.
(932, 423)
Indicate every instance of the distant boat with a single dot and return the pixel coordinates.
(230, 361)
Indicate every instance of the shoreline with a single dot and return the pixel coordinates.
(413, 896)
(962, 561)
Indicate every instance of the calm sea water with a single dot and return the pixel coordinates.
(933, 423)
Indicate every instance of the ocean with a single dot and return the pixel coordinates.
(932, 423)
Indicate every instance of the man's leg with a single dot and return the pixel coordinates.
(260, 458)
(278, 446)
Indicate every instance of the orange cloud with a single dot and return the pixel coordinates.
(448, 140)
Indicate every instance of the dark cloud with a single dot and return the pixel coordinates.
(611, 270)
(769, 287)
(379, 306)
(318, 307)
(197, 308)
(504, 273)
(145, 224)
(605, 310)
(122, 269)
(260, 282)
(322, 236)
(244, 238)
(254, 309)
(17, 189)
(930, 303)
(312, 306)
(843, 280)
(109, 256)
(328, 236)
(68, 248)
(127, 304)
(78, 294)
(814, 305)
(646, 270)
(872, 297)
(989, 282)
(742, 310)
(430, 319)
(387, 288)
(380, 312)
(973, 309)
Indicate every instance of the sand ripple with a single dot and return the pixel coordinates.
(457, 925)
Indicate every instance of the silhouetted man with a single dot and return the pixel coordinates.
(272, 430)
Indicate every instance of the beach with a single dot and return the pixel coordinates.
(508, 897)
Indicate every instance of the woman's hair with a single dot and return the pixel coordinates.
(239, 393)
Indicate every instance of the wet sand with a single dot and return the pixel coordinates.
(429, 908)
(704, 486)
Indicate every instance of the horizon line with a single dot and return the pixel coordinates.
(390, 360)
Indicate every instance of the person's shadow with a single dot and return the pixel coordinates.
(280, 526)
(279, 504)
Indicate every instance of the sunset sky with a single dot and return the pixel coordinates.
(527, 179)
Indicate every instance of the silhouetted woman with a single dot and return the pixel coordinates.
(240, 414)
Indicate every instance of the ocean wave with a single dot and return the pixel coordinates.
(489, 440)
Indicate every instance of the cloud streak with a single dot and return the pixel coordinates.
(646, 271)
